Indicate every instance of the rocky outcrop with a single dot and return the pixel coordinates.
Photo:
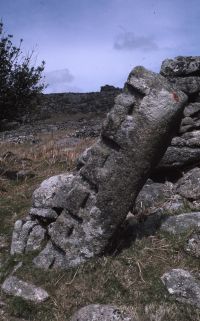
(91, 203)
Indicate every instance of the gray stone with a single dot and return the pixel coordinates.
(27, 236)
(189, 85)
(183, 286)
(35, 239)
(187, 121)
(98, 312)
(181, 66)
(50, 256)
(181, 223)
(189, 185)
(95, 200)
(152, 197)
(192, 109)
(20, 236)
(52, 192)
(178, 157)
(16, 287)
(191, 139)
(24, 174)
(193, 245)
(43, 213)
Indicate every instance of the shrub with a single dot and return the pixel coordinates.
(20, 80)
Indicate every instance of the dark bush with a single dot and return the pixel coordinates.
(20, 80)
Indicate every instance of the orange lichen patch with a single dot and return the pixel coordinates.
(175, 96)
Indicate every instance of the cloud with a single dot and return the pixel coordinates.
(129, 41)
(58, 80)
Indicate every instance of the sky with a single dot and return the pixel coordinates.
(90, 43)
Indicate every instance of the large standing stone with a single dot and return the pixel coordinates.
(93, 202)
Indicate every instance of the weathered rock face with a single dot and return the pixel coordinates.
(93, 202)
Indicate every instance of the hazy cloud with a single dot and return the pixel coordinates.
(58, 80)
(59, 76)
(129, 41)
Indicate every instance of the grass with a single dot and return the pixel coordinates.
(131, 278)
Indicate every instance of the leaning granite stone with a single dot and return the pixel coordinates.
(98, 312)
(16, 287)
(183, 286)
(181, 66)
(189, 185)
(95, 200)
(181, 223)
(20, 236)
(193, 245)
(51, 193)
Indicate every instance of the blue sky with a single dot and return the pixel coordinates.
(89, 43)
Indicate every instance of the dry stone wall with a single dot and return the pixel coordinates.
(72, 103)
(184, 151)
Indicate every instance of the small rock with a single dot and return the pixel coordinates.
(189, 85)
(52, 192)
(192, 109)
(20, 236)
(35, 239)
(181, 223)
(43, 213)
(189, 185)
(3, 242)
(183, 286)
(13, 286)
(193, 245)
(24, 174)
(97, 312)
(152, 197)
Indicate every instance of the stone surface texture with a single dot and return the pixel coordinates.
(16, 287)
(183, 286)
(94, 201)
(182, 223)
(97, 312)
